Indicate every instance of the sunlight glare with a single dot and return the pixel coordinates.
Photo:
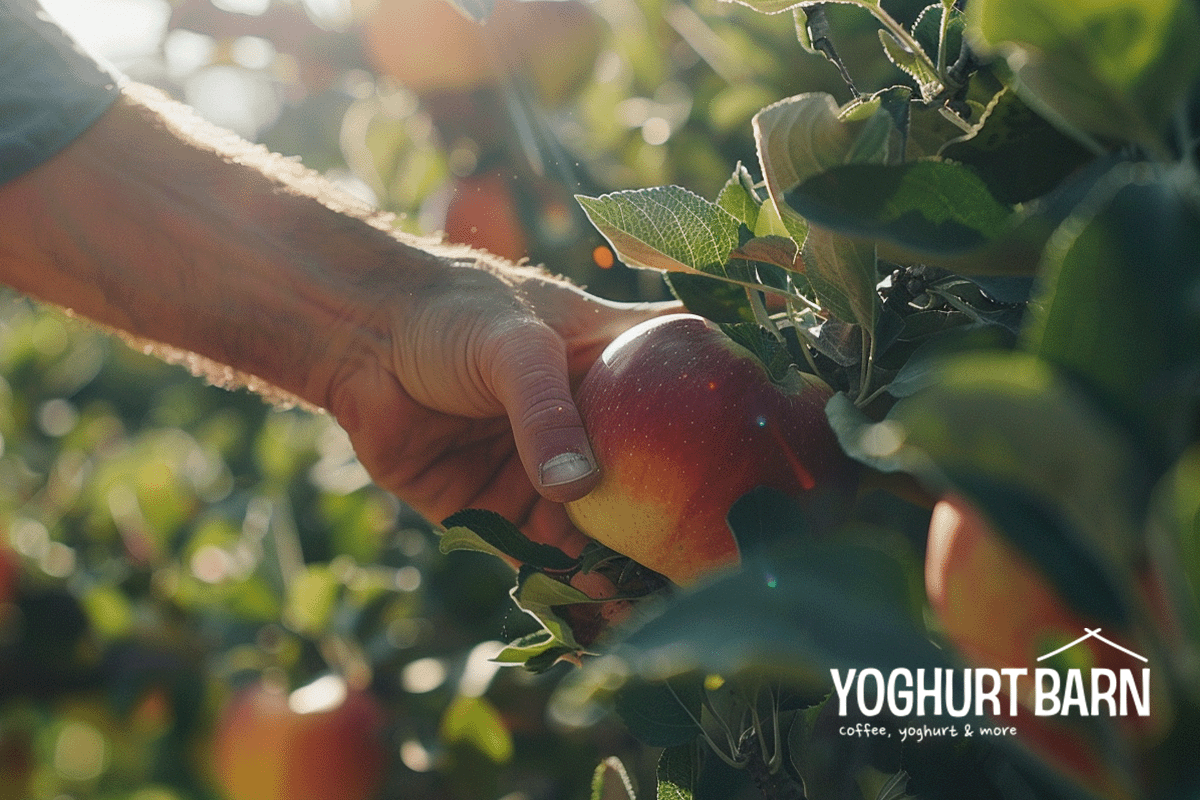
(324, 694)
(121, 31)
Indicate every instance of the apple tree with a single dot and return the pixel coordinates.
(973, 222)
(992, 258)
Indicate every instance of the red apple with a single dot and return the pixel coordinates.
(322, 741)
(999, 611)
(993, 603)
(989, 599)
(10, 575)
(683, 422)
(483, 213)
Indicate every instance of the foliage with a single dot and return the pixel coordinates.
(993, 260)
(977, 221)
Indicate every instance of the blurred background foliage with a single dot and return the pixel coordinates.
(166, 542)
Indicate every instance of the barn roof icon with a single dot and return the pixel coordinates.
(1094, 633)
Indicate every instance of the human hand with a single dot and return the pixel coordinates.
(450, 370)
(463, 399)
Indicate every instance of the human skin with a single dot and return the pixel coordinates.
(451, 370)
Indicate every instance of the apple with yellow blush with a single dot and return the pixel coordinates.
(684, 421)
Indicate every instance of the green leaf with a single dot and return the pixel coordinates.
(311, 596)
(661, 713)
(1017, 152)
(1042, 528)
(527, 647)
(763, 518)
(712, 298)
(1118, 310)
(678, 772)
(843, 273)
(609, 773)
(929, 130)
(929, 207)
(1113, 68)
(1033, 450)
(665, 228)
(922, 366)
(770, 223)
(883, 116)
(779, 6)
(739, 197)
(770, 352)
(804, 34)
(800, 137)
(874, 444)
(927, 30)
(1175, 550)
(484, 531)
(537, 593)
(775, 251)
(817, 607)
(917, 65)
(475, 723)
(805, 135)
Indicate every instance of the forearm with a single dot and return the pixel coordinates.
(155, 224)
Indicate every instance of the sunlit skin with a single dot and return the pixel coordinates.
(450, 369)
(683, 422)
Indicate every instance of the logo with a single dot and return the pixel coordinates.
(1007, 693)
(1103, 685)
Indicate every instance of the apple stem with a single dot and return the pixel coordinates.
(943, 31)
(760, 313)
(730, 739)
(775, 759)
(872, 397)
(802, 335)
(793, 293)
(729, 760)
(868, 369)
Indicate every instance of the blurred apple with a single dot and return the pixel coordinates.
(991, 600)
(10, 575)
(17, 763)
(683, 422)
(430, 46)
(482, 212)
(999, 611)
(321, 741)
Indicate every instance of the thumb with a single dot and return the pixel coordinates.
(529, 377)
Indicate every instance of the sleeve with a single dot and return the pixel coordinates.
(50, 89)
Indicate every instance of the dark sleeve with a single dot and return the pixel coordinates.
(50, 89)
